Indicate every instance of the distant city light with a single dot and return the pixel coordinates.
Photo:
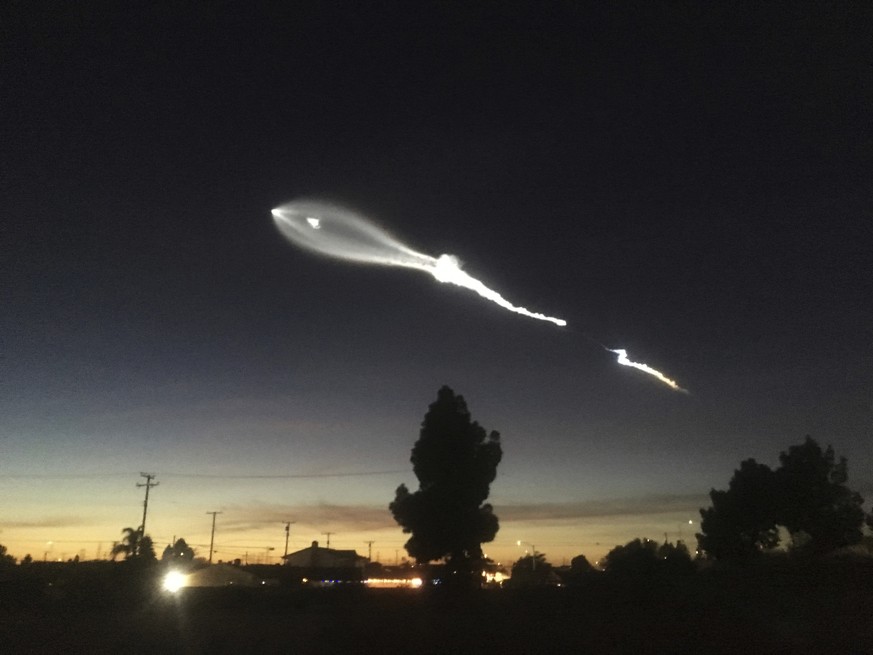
(389, 583)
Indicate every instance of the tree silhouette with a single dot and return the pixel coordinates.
(581, 565)
(675, 558)
(531, 571)
(455, 462)
(807, 495)
(5, 559)
(637, 557)
(580, 571)
(178, 552)
(133, 545)
(742, 520)
(817, 507)
(644, 557)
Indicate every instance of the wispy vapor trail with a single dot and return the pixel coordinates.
(337, 232)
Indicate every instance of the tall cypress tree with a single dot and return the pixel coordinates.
(455, 461)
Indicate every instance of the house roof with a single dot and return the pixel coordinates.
(316, 554)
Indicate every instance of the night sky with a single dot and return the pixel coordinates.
(689, 181)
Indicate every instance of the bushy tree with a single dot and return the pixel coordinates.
(742, 520)
(178, 552)
(531, 571)
(815, 500)
(644, 557)
(581, 566)
(675, 558)
(455, 461)
(807, 495)
(5, 558)
(580, 571)
(637, 557)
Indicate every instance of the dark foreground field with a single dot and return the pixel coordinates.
(827, 610)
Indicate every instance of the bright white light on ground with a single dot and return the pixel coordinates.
(173, 581)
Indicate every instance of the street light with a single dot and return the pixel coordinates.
(267, 554)
(533, 556)
(690, 522)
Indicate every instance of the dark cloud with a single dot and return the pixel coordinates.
(49, 522)
(347, 518)
(373, 517)
(606, 508)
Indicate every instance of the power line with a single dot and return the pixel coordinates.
(60, 476)
(205, 476)
(290, 476)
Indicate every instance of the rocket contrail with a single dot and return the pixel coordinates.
(624, 361)
(338, 232)
(331, 230)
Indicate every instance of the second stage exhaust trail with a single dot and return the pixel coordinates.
(337, 232)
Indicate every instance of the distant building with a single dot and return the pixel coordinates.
(316, 557)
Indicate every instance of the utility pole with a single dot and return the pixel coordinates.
(287, 534)
(148, 484)
(328, 537)
(533, 553)
(212, 538)
(370, 550)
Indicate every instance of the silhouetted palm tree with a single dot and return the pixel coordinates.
(129, 544)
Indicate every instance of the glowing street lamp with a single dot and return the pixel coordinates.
(690, 522)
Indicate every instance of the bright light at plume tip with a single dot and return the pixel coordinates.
(624, 361)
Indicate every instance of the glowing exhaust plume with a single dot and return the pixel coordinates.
(624, 361)
(338, 232)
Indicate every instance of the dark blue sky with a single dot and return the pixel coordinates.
(689, 182)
